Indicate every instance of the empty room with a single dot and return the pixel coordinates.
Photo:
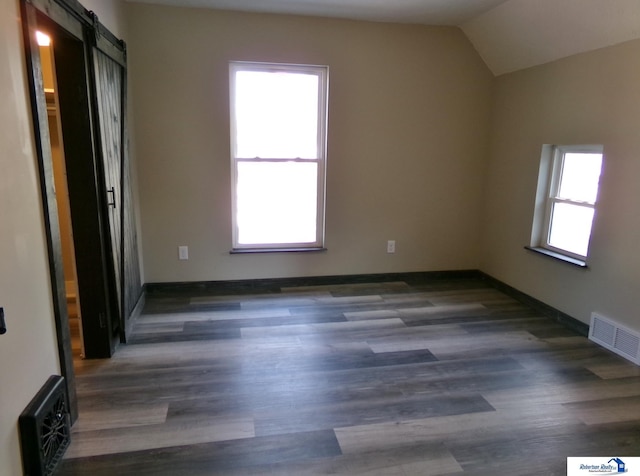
(306, 237)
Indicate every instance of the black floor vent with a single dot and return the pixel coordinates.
(45, 429)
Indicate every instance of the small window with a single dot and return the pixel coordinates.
(569, 179)
(278, 155)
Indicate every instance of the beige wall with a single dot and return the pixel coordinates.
(28, 351)
(408, 125)
(111, 14)
(585, 99)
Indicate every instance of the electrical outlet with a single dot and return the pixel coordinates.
(183, 253)
(391, 246)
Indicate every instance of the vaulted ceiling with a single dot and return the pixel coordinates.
(509, 34)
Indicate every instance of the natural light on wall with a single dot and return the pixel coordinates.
(278, 115)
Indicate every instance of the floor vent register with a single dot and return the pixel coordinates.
(615, 337)
(45, 429)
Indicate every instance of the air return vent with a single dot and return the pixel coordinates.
(615, 337)
(45, 429)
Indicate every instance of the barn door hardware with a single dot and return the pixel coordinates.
(112, 198)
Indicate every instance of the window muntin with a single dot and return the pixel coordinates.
(571, 199)
(278, 144)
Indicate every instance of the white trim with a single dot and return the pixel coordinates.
(322, 72)
(549, 178)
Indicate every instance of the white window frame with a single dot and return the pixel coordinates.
(551, 169)
(323, 85)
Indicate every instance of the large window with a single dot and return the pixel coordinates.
(570, 177)
(278, 154)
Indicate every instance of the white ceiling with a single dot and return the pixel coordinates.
(431, 12)
(509, 34)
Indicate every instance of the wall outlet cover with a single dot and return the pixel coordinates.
(391, 246)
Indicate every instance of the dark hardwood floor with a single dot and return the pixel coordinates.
(424, 377)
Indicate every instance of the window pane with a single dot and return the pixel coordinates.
(276, 115)
(571, 228)
(276, 202)
(580, 176)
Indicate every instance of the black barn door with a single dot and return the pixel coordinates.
(109, 61)
(98, 305)
(108, 94)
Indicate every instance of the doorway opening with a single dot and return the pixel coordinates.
(49, 81)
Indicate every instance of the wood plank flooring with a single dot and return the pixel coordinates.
(440, 377)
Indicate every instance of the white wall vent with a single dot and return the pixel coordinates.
(615, 337)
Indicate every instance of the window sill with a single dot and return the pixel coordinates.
(558, 256)
(242, 251)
